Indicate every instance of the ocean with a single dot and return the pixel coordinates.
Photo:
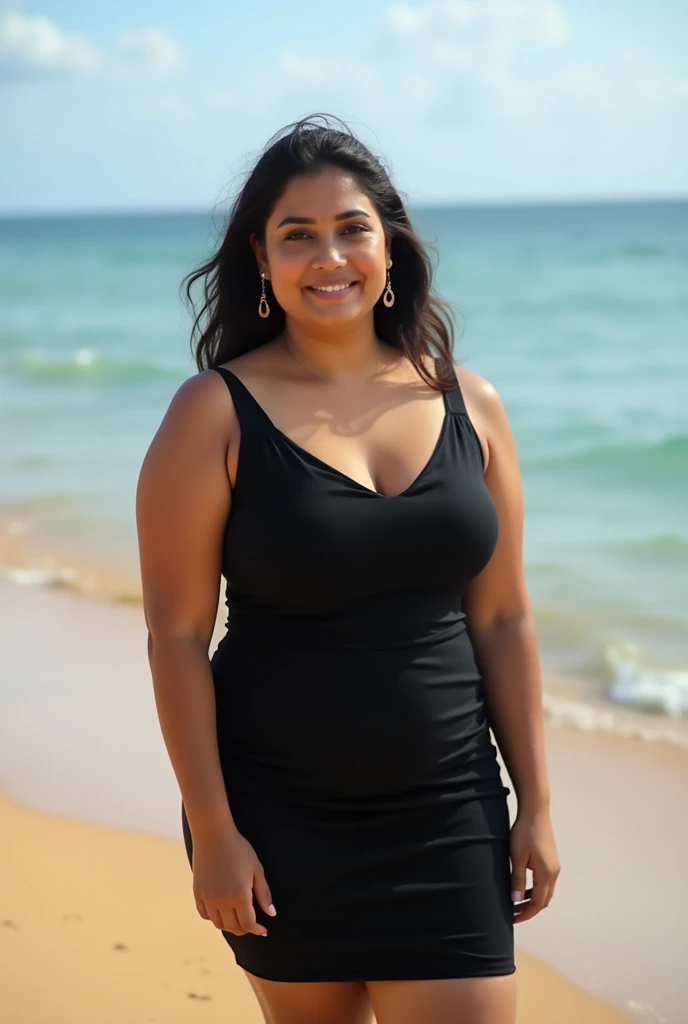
(577, 313)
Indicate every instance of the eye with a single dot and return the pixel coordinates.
(295, 234)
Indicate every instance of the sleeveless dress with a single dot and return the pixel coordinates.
(351, 725)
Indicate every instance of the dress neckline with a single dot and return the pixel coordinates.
(319, 463)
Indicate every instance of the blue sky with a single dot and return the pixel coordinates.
(151, 105)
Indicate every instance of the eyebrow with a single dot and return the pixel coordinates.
(309, 220)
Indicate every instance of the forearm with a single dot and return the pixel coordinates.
(508, 656)
(185, 701)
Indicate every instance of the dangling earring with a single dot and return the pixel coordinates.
(388, 297)
(263, 308)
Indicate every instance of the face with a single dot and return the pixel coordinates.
(324, 247)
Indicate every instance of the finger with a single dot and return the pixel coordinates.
(539, 895)
(215, 915)
(232, 923)
(518, 883)
(520, 911)
(534, 905)
(200, 907)
(553, 886)
(524, 913)
(247, 917)
(550, 894)
(262, 893)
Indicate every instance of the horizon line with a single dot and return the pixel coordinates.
(434, 204)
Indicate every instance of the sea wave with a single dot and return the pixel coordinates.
(661, 546)
(645, 686)
(591, 716)
(667, 455)
(88, 365)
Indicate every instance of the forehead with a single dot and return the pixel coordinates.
(320, 196)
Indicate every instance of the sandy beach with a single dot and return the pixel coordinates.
(97, 918)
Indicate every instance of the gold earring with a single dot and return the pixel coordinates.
(388, 297)
(263, 308)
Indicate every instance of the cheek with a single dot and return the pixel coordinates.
(287, 267)
(370, 260)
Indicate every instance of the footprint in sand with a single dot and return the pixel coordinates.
(9, 924)
(119, 945)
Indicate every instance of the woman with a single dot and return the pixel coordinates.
(342, 806)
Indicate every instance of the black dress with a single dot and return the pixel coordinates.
(351, 724)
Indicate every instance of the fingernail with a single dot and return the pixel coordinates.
(516, 896)
(263, 935)
(271, 909)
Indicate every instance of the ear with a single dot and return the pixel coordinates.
(258, 252)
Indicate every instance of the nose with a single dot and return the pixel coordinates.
(328, 257)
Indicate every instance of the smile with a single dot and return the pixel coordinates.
(333, 291)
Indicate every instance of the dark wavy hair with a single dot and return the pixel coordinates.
(227, 323)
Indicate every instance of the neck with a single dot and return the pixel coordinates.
(335, 361)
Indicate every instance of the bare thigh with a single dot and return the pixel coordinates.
(445, 1001)
(312, 1002)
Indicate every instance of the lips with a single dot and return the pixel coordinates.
(330, 284)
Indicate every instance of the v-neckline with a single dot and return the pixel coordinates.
(304, 453)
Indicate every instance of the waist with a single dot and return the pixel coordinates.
(378, 622)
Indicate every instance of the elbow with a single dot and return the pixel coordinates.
(166, 639)
(499, 621)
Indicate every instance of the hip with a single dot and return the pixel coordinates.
(354, 723)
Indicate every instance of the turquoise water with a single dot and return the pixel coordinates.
(576, 313)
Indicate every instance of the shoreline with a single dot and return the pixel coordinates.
(569, 699)
(80, 749)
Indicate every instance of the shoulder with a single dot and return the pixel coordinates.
(198, 410)
(480, 394)
(197, 389)
(485, 410)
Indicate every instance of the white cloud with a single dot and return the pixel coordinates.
(333, 71)
(33, 46)
(620, 88)
(477, 42)
(150, 52)
(425, 51)
(490, 27)
(330, 82)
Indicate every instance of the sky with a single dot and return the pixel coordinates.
(160, 106)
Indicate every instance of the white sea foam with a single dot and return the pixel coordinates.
(646, 687)
(596, 717)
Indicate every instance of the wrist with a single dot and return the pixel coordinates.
(533, 803)
(210, 824)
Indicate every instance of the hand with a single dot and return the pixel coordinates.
(226, 874)
(532, 845)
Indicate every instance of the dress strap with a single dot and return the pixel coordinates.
(453, 397)
(252, 416)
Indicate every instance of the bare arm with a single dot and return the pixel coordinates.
(183, 499)
(500, 619)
